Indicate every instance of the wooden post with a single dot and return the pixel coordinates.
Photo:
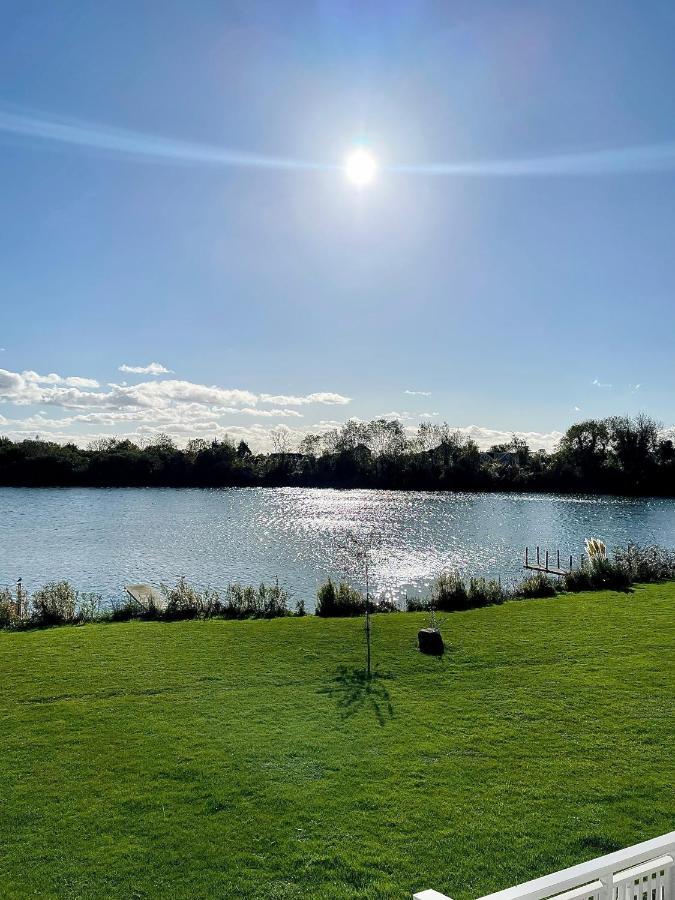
(537, 555)
(526, 551)
(547, 560)
(558, 558)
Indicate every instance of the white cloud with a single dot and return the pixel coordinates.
(634, 388)
(70, 381)
(401, 416)
(428, 415)
(75, 381)
(418, 393)
(324, 397)
(152, 368)
(271, 413)
(599, 384)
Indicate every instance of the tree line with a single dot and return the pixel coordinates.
(616, 455)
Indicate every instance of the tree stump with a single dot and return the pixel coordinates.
(430, 641)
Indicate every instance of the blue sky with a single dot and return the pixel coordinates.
(513, 296)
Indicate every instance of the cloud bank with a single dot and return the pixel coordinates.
(74, 408)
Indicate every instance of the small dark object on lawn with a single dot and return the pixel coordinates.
(430, 641)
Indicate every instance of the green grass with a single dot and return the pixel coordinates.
(250, 759)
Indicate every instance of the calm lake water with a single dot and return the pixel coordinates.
(101, 539)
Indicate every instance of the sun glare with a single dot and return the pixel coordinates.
(360, 167)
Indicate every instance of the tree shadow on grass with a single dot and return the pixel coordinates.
(354, 692)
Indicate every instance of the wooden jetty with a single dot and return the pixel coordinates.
(146, 596)
(546, 565)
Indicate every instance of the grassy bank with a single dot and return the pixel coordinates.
(249, 759)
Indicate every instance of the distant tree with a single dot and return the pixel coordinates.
(195, 446)
(666, 450)
(429, 436)
(585, 444)
(635, 443)
(282, 440)
(162, 441)
(310, 445)
(616, 455)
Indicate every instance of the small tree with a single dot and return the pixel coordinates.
(358, 549)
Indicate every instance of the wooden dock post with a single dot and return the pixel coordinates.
(545, 562)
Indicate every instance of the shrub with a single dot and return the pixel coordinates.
(54, 604)
(89, 607)
(600, 574)
(652, 563)
(485, 592)
(9, 616)
(342, 600)
(265, 602)
(123, 612)
(416, 604)
(608, 575)
(578, 580)
(384, 605)
(449, 593)
(272, 602)
(185, 602)
(534, 586)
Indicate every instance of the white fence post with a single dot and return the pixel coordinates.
(608, 891)
(430, 895)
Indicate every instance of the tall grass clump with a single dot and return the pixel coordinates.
(125, 610)
(597, 571)
(58, 603)
(652, 563)
(54, 604)
(415, 603)
(384, 604)
(89, 607)
(485, 592)
(339, 600)
(264, 602)
(186, 602)
(598, 575)
(535, 586)
(449, 593)
(9, 612)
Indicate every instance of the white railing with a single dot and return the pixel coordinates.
(642, 872)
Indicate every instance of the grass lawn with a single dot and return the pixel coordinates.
(250, 759)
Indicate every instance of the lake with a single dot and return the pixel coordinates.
(103, 538)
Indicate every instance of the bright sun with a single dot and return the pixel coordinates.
(360, 167)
